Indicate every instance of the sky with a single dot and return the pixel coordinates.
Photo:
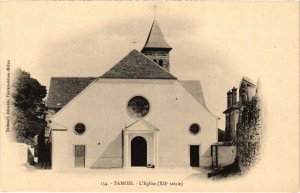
(213, 42)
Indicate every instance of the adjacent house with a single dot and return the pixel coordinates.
(224, 152)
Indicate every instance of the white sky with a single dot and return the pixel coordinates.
(216, 43)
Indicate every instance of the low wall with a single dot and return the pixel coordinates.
(18, 153)
(223, 155)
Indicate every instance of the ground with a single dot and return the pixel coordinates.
(17, 175)
(227, 171)
(138, 179)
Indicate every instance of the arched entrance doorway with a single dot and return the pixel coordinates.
(138, 151)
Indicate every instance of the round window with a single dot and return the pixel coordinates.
(79, 128)
(138, 107)
(194, 128)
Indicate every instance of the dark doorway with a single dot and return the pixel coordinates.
(194, 156)
(138, 151)
(79, 156)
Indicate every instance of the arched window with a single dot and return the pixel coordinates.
(160, 63)
(155, 60)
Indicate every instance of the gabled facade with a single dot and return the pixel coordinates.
(137, 114)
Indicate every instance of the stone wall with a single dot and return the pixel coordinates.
(223, 155)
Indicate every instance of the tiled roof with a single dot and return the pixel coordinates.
(63, 89)
(137, 66)
(156, 38)
(248, 80)
(195, 89)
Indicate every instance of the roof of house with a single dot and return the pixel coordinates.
(63, 89)
(248, 80)
(137, 66)
(195, 89)
(156, 38)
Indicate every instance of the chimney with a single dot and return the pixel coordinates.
(234, 95)
(229, 99)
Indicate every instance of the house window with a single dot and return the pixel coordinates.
(194, 128)
(79, 128)
(138, 107)
(160, 62)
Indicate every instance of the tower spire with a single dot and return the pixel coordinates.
(156, 38)
(156, 46)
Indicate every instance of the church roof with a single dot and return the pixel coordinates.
(63, 89)
(137, 66)
(156, 38)
(195, 89)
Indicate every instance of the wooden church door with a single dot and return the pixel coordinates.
(138, 151)
(194, 156)
(79, 156)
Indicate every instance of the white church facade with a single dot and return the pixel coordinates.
(137, 114)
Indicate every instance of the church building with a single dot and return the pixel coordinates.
(137, 114)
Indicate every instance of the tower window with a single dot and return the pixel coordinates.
(160, 63)
(155, 60)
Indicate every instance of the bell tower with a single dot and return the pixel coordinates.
(156, 47)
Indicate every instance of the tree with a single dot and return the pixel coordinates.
(249, 132)
(28, 107)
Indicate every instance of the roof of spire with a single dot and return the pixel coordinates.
(156, 38)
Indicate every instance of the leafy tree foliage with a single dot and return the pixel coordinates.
(249, 133)
(28, 107)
